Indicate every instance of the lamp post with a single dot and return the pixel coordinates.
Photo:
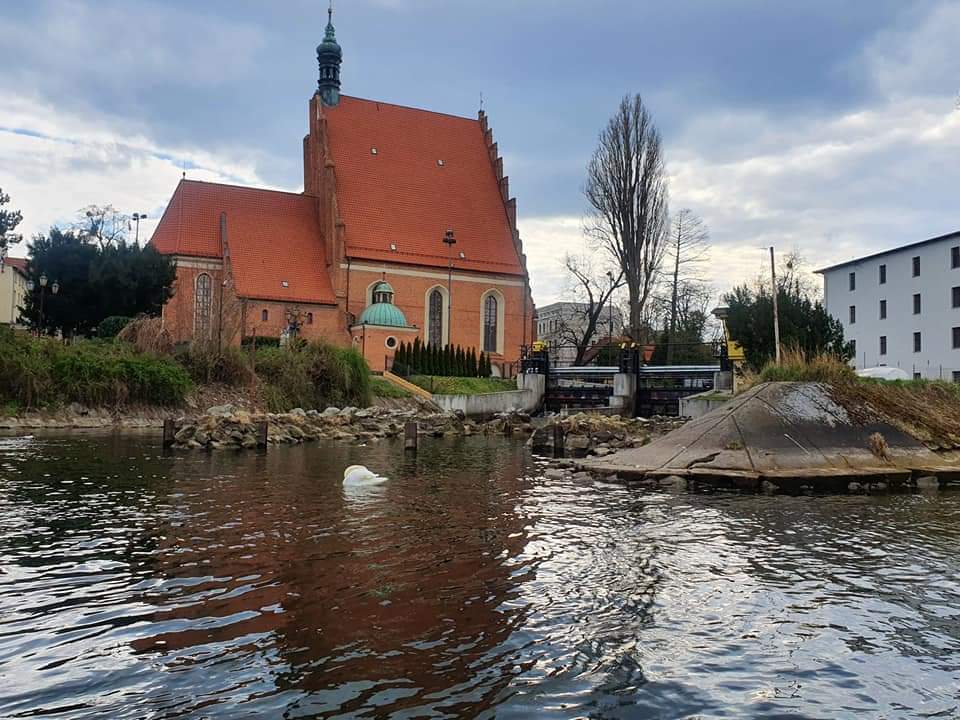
(137, 217)
(54, 289)
(449, 241)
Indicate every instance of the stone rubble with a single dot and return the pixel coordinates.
(228, 426)
(599, 435)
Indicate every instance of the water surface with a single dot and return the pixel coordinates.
(138, 584)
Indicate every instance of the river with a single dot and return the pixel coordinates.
(141, 584)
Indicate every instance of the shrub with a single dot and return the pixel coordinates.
(230, 366)
(262, 341)
(312, 376)
(109, 327)
(42, 372)
(147, 335)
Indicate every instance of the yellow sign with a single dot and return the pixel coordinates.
(734, 351)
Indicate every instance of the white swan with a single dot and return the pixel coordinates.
(359, 475)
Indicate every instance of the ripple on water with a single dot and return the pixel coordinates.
(138, 584)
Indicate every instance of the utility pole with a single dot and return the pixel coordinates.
(776, 311)
(449, 241)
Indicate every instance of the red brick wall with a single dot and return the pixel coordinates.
(372, 343)
(467, 320)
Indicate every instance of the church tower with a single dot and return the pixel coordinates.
(329, 57)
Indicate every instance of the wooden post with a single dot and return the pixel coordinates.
(558, 440)
(168, 432)
(411, 435)
(262, 434)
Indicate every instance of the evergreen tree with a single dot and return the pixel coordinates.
(448, 366)
(399, 361)
(415, 359)
(472, 363)
(461, 362)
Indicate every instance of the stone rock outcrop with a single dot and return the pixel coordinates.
(586, 434)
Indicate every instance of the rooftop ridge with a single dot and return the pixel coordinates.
(411, 107)
(246, 187)
(881, 253)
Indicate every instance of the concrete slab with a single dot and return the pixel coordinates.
(789, 434)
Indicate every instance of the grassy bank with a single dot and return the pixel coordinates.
(445, 385)
(37, 373)
(386, 389)
(45, 374)
(926, 409)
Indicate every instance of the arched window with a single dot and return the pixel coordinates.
(264, 315)
(309, 318)
(204, 295)
(435, 323)
(490, 314)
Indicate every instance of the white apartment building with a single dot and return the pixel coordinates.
(901, 307)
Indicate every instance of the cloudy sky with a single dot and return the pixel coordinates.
(829, 127)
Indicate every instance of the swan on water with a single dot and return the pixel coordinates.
(359, 475)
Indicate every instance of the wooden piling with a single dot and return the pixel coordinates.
(169, 431)
(411, 436)
(262, 434)
(558, 440)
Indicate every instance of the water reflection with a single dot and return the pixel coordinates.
(136, 583)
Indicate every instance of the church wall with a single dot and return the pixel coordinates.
(178, 313)
(328, 321)
(411, 285)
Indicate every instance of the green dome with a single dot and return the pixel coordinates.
(383, 314)
(383, 286)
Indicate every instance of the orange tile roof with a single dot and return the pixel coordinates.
(19, 264)
(402, 195)
(274, 238)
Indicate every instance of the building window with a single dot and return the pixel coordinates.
(917, 376)
(883, 274)
(391, 342)
(853, 281)
(956, 338)
(883, 344)
(917, 344)
(490, 312)
(264, 315)
(916, 266)
(883, 309)
(916, 303)
(955, 292)
(853, 314)
(309, 318)
(435, 319)
(955, 257)
(956, 376)
(203, 299)
(853, 350)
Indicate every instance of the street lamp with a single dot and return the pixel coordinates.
(449, 241)
(55, 288)
(137, 218)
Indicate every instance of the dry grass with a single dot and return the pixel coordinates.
(926, 410)
(147, 335)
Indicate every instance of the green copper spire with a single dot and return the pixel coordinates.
(329, 57)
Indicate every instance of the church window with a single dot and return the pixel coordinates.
(490, 312)
(435, 327)
(204, 295)
(309, 318)
(264, 315)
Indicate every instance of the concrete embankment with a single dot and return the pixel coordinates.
(784, 436)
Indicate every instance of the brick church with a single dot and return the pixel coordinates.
(405, 228)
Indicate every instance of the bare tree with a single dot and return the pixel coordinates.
(102, 223)
(688, 250)
(592, 292)
(627, 189)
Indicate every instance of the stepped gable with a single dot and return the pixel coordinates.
(275, 244)
(404, 176)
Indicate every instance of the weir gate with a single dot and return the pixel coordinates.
(649, 389)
